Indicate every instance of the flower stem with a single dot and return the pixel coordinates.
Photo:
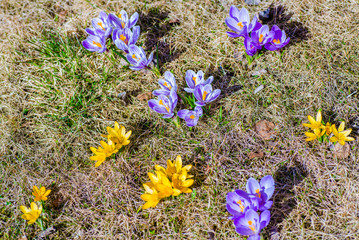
(175, 121)
(156, 71)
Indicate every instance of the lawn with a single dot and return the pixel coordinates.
(57, 98)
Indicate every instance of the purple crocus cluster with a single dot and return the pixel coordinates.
(167, 96)
(202, 91)
(254, 33)
(124, 35)
(244, 207)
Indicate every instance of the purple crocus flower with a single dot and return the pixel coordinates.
(262, 191)
(167, 85)
(164, 105)
(137, 57)
(238, 202)
(279, 39)
(250, 46)
(125, 37)
(101, 26)
(122, 21)
(251, 224)
(262, 36)
(193, 79)
(95, 43)
(191, 117)
(204, 94)
(239, 22)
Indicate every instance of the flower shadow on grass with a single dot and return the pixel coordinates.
(286, 178)
(156, 24)
(278, 15)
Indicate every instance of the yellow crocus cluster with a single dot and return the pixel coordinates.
(170, 181)
(319, 129)
(33, 213)
(116, 138)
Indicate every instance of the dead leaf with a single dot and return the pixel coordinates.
(340, 151)
(259, 154)
(264, 129)
(145, 96)
(22, 238)
(173, 21)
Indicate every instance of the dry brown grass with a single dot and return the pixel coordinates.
(55, 105)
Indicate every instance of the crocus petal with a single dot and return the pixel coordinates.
(232, 24)
(161, 92)
(264, 219)
(233, 35)
(252, 186)
(133, 20)
(341, 126)
(182, 113)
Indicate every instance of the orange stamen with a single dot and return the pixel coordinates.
(120, 16)
(194, 79)
(97, 44)
(100, 24)
(123, 38)
(240, 205)
(258, 193)
(161, 103)
(204, 95)
(192, 117)
(169, 87)
(123, 24)
(277, 41)
(240, 24)
(250, 223)
(261, 37)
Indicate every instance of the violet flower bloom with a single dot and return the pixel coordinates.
(191, 117)
(279, 39)
(164, 105)
(193, 79)
(121, 21)
(95, 43)
(167, 85)
(137, 57)
(125, 37)
(250, 46)
(262, 36)
(251, 224)
(262, 191)
(239, 22)
(101, 26)
(204, 94)
(238, 202)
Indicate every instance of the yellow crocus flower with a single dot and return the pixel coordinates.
(32, 214)
(118, 135)
(313, 136)
(151, 196)
(102, 153)
(314, 123)
(173, 167)
(181, 183)
(340, 135)
(40, 194)
(327, 128)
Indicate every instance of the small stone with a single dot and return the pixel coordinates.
(260, 72)
(252, 2)
(258, 89)
(122, 95)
